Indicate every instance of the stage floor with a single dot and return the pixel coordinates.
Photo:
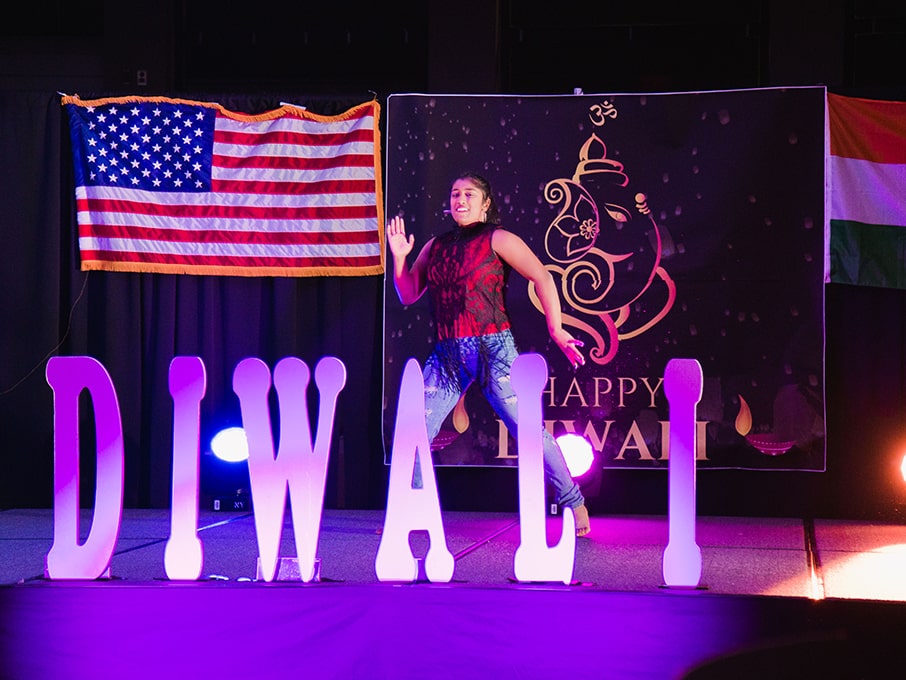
(830, 594)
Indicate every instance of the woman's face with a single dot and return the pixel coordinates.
(467, 202)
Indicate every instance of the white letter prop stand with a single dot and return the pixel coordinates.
(535, 561)
(411, 509)
(298, 464)
(67, 559)
(682, 557)
(184, 556)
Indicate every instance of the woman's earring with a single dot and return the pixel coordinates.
(484, 215)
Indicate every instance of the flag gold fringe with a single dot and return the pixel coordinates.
(298, 112)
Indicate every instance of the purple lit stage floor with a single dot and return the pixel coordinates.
(779, 597)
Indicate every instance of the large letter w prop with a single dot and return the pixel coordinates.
(297, 465)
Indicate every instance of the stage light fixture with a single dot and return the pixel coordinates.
(230, 445)
(578, 453)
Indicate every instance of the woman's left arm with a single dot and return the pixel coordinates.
(516, 253)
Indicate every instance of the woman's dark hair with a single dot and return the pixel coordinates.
(493, 216)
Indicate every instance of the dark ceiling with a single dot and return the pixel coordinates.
(507, 46)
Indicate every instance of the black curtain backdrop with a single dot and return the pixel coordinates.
(136, 323)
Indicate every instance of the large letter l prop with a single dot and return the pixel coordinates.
(535, 561)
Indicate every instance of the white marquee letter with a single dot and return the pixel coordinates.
(535, 561)
(297, 464)
(67, 559)
(682, 557)
(411, 509)
(183, 556)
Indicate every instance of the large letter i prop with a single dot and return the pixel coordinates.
(682, 557)
(535, 561)
(410, 509)
(184, 555)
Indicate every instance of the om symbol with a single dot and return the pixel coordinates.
(598, 112)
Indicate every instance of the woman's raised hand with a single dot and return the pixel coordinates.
(400, 245)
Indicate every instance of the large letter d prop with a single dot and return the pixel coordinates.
(69, 559)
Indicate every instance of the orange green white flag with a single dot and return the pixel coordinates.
(867, 191)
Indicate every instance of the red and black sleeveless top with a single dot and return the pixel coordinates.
(466, 283)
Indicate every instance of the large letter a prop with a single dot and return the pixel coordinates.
(410, 509)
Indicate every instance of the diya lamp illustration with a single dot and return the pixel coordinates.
(768, 443)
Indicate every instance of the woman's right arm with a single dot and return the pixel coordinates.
(410, 283)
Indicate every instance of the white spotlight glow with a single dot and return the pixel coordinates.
(578, 453)
(230, 445)
(903, 468)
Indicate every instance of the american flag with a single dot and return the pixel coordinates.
(175, 186)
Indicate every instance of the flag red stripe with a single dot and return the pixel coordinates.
(344, 186)
(99, 205)
(219, 236)
(294, 162)
(293, 138)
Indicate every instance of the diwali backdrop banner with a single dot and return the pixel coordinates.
(675, 225)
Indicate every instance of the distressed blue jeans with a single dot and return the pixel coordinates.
(488, 360)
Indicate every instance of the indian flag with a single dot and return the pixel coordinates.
(867, 196)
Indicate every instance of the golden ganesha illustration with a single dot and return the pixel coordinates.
(606, 250)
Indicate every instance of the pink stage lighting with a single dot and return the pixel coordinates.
(230, 445)
(578, 453)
